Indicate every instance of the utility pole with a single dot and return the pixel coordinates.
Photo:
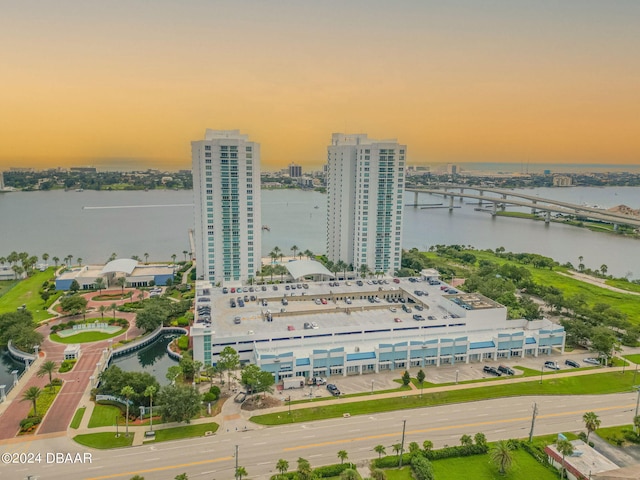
(637, 404)
(404, 424)
(533, 421)
(236, 472)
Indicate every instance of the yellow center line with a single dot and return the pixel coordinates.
(160, 469)
(450, 427)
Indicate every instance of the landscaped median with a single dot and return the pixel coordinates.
(587, 384)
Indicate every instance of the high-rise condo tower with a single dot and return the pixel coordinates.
(226, 186)
(365, 187)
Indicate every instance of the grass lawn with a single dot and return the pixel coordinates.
(45, 400)
(635, 358)
(524, 467)
(108, 297)
(105, 416)
(185, 431)
(402, 474)
(582, 385)
(6, 285)
(623, 302)
(104, 440)
(25, 292)
(85, 337)
(624, 285)
(615, 435)
(77, 417)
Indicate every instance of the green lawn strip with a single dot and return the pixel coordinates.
(400, 474)
(524, 467)
(6, 285)
(104, 440)
(635, 358)
(85, 337)
(105, 416)
(518, 215)
(185, 431)
(44, 401)
(615, 435)
(623, 302)
(581, 385)
(624, 285)
(110, 297)
(77, 417)
(26, 292)
(360, 394)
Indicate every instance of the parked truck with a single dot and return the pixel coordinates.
(293, 382)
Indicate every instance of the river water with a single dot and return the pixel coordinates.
(92, 225)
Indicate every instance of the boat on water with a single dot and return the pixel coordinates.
(316, 206)
(266, 227)
(79, 189)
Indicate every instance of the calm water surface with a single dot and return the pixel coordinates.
(156, 222)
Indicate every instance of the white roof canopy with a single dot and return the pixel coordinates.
(301, 268)
(125, 265)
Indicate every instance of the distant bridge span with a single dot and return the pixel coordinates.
(535, 203)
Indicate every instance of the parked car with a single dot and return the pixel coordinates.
(239, 290)
(347, 301)
(419, 308)
(431, 317)
(406, 309)
(287, 287)
(240, 302)
(232, 302)
(418, 318)
(225, 290)
(317, 301)
(237, 320)
(323, 301)
(285, 301)
(333, 390)
(506, 370)
(491, 371)
(592, 361)
(275, 287)
(397, 320)
(551, 365)
(359, 283)
(290, 327)
(393, 309)
(318, 381)
(572, 363)
(307, 326)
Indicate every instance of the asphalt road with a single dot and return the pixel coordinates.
(260, 448)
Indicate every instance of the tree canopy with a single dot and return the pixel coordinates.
(178, 403)
(114, 379)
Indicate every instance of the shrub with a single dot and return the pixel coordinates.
(183, 342)
(391, 461)
(331, 470)
(631, 436)
(56, 382)
(66, 365)
(33, 420)
(457, 451)
(215, 390)
(422, 469)
(182, 322)
(209, 397)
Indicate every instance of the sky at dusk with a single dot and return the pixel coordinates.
(131, 82)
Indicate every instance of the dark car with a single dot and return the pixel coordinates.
(287, 287)
(359, 283)
(232, 302)
(506, 370)
(572, 363)
(431, 317)
(418, 318)
(225, 290)
(552, 365)
(491, 371)
(419, 308)
(240, 302)
(333, 390)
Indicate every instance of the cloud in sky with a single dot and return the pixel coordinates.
(456, 81)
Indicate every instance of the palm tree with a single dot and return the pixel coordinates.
(102, 309)
(378, 474)
(127, 392)
(304, 469)
(99, 284)
(80, 261)
(294, 249)
(173, 258)
(343, 455)
(308, 253)
(466, 440)
(150, 391)
(135, 257)
(427, 445)
(397, 448)
(591, 423)
(121, 282)
(69, 259)
(564, 447)
(636, 423)
(31, 395)
(241, 472)
(277, 251)
(501, 455)
(56, 260)
(282, 466)
(380, 450)
(184, 252)
(604, 269)
(146, 258)
(48, 368)
(45, 257)
(349, 474)
(114, 307)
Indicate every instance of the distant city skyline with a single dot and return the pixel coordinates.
(119, 83)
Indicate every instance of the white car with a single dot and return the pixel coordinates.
(592, 361)
(347, 301)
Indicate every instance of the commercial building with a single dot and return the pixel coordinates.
(365, 187)
(321, 329)
(226, 186)
(584, 463)
(295, 171)
(135, 274)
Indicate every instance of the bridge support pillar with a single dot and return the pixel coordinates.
(480, 200)
(533, 210)
(451, 203)
(494, 209)
(615, 227)
(547, 217)
(415, 199)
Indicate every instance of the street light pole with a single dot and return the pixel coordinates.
(371, 387)
(236, 455)
(289, 400)
(637, 404)
(117, 434)
(541, 371)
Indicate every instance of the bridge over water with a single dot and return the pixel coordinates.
(497, 198)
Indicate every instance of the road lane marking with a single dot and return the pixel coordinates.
(448, 427)
(160, 469)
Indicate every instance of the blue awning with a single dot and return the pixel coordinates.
(475, 345)
(360, 356)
